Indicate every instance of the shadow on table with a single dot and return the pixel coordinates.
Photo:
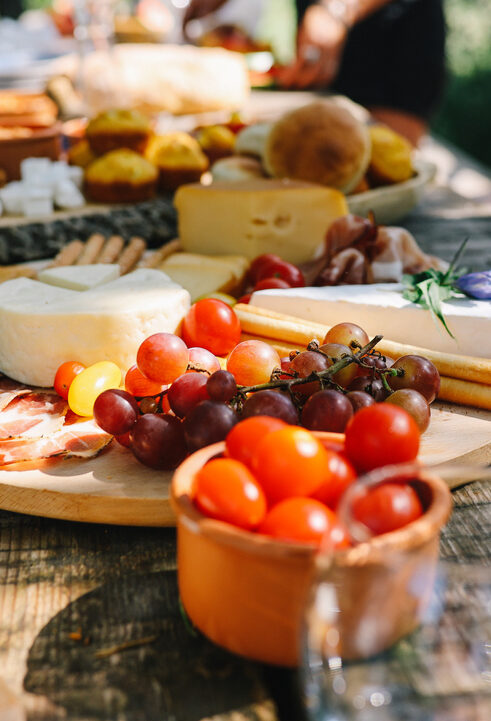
(174, 674)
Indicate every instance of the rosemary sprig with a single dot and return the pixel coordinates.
(431, 287)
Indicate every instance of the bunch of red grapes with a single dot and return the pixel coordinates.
(178, 399)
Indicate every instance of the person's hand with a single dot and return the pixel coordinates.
(320, 43)
(199, 9)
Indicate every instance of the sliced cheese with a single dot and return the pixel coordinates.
(42, 326)
(380, 308)
(286, 217)
(80, 277)
(202, 274)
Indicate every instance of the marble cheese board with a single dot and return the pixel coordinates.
(114, 488)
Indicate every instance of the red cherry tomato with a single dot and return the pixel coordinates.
(381, 435)
(226, 490)
(340, 475)
(65, 375)
(289, 462)
(272, 282)
(242, 440)
(245, 298)
(304, 520)
(387, 507)
(284, 270)
(213, 325)
(257, 265)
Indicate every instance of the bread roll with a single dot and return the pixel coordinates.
(252, 140)
(322, 143)
(236, 168)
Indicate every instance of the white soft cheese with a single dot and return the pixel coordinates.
(380, 308)
(41, 326)
(80, 277)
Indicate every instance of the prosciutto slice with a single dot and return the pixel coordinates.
(9, 390)
(33, 415)
(83, 439)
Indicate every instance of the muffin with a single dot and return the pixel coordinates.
(179, 159)
(118, 129)
(216, 141)
(391, 160)
(321, 143)
(81, 154)
(121, 176)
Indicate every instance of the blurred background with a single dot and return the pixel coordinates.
(463, 117)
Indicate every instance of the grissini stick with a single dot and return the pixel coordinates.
(111, 250)
(68, 254)
(92, 248)
(131, 254)
(158, 256)
(466, 393)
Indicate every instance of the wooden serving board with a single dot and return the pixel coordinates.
(115, 488)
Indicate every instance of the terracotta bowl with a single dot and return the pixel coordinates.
(248, 593)
(41, 143)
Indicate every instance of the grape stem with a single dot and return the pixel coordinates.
(326, 375)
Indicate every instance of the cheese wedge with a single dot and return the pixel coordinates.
(42, 326)
(80, 277)
(286, 217)
(380, 308)
(202, 274)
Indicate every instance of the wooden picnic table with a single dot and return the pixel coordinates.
(72, 595)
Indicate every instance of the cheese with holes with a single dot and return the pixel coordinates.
(380, 308)
(286, 217)
(203, 274)
(41, 326)
(80, 277)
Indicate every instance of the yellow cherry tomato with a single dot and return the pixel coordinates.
(90, 383)
(224, 297)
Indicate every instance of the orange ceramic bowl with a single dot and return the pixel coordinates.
(247, 592)
(37, 142)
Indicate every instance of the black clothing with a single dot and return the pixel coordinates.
(394, 58)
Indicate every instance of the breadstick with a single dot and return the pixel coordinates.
(131, 254)
(8, 272)
(68, 254)
(465, 393)
(158, 256)
(91, 250)
(278, 326)
(111, 250)
(269, 324)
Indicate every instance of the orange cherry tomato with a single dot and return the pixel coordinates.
(242, 440)
(387, 507)
(380, 435)
(213, 325)
(290, 462)
(340, 475)
(305, 520)
(226, 490)
(139, 385)
(65, 375)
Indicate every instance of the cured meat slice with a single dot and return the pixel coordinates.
(10, 389)
(33, 415)
(83, 439)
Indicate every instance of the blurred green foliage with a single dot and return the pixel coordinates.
(464, 115)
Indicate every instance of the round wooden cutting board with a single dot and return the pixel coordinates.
(115, 488)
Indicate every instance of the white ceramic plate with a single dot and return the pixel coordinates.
(393, 202)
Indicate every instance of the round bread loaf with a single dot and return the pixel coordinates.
(322, 143)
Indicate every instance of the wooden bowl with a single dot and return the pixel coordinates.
(248, 592)
(40, 143)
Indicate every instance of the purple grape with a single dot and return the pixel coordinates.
(158, 441)
(271, 403)
(327, 410)
(207, 423)
(221, 386)
(359, 399)
(116, 411)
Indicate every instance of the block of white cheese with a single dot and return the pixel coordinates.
(380, 308)
(80, 277)
(41, 325)
(286, 217)
(202, 274)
